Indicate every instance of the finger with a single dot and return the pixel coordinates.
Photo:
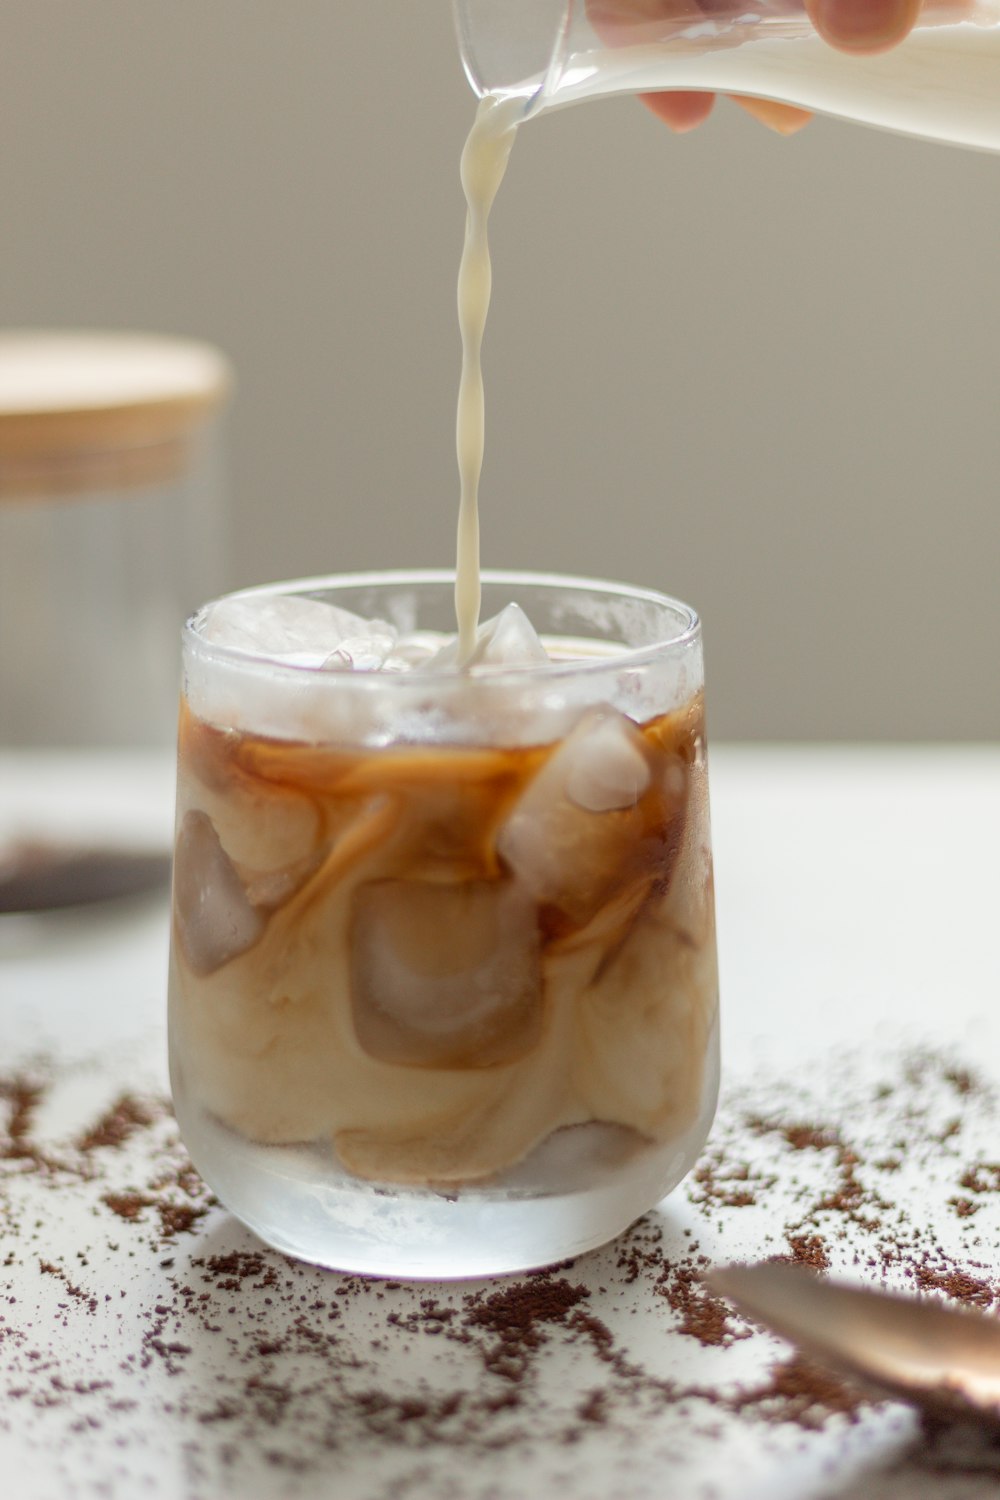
(682, 109)
(786, 119)
(863, 25)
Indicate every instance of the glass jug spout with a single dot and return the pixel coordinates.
(514, 48)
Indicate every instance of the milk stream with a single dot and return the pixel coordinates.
(942, 83)
(484, 162)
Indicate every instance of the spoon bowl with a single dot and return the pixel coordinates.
(944, 1359)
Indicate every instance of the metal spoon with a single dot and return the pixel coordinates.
(944, 1359)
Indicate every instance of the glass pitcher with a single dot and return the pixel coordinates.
(942, 83)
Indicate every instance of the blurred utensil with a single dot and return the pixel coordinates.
(944, 1359)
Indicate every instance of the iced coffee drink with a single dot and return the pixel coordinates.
(443, 985)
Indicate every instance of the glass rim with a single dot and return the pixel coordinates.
(689, 630)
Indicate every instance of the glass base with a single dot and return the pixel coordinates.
(299, 1199)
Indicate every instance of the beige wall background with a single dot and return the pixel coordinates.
(759, 373)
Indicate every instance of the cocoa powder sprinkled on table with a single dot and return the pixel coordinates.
(263, 1356)
(984, 1177)
(117, 1125)
(48, 1269)
(809, 1250)
(518, 1318)
(22, 1096)
(733, 1188)
(959, 1286)
(802, 1392)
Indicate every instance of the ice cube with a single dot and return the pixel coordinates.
(508, 640)
(299, 631)
(214, 917)
(445, 975)
(581, 832)
(413, 652)
(603, 763)
(366, 650)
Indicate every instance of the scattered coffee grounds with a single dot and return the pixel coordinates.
(130, 1301)
(801, 1392)
(724, 1185)
(518, 1317)
(700, 1314)
(960, 1286)
(122, 1120)
(984, 1177)
(21, 1095)
(175, 1218)
(47, 1269)
(809, 1250)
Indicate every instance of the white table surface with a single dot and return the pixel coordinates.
(857, 899)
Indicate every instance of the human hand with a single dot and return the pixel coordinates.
(861, 26)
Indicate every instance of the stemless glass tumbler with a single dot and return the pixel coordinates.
(443, 995)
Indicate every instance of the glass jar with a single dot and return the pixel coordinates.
(110, 532)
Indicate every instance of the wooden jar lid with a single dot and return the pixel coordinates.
(83, 412)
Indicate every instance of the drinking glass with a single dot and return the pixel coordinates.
(443, 993)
